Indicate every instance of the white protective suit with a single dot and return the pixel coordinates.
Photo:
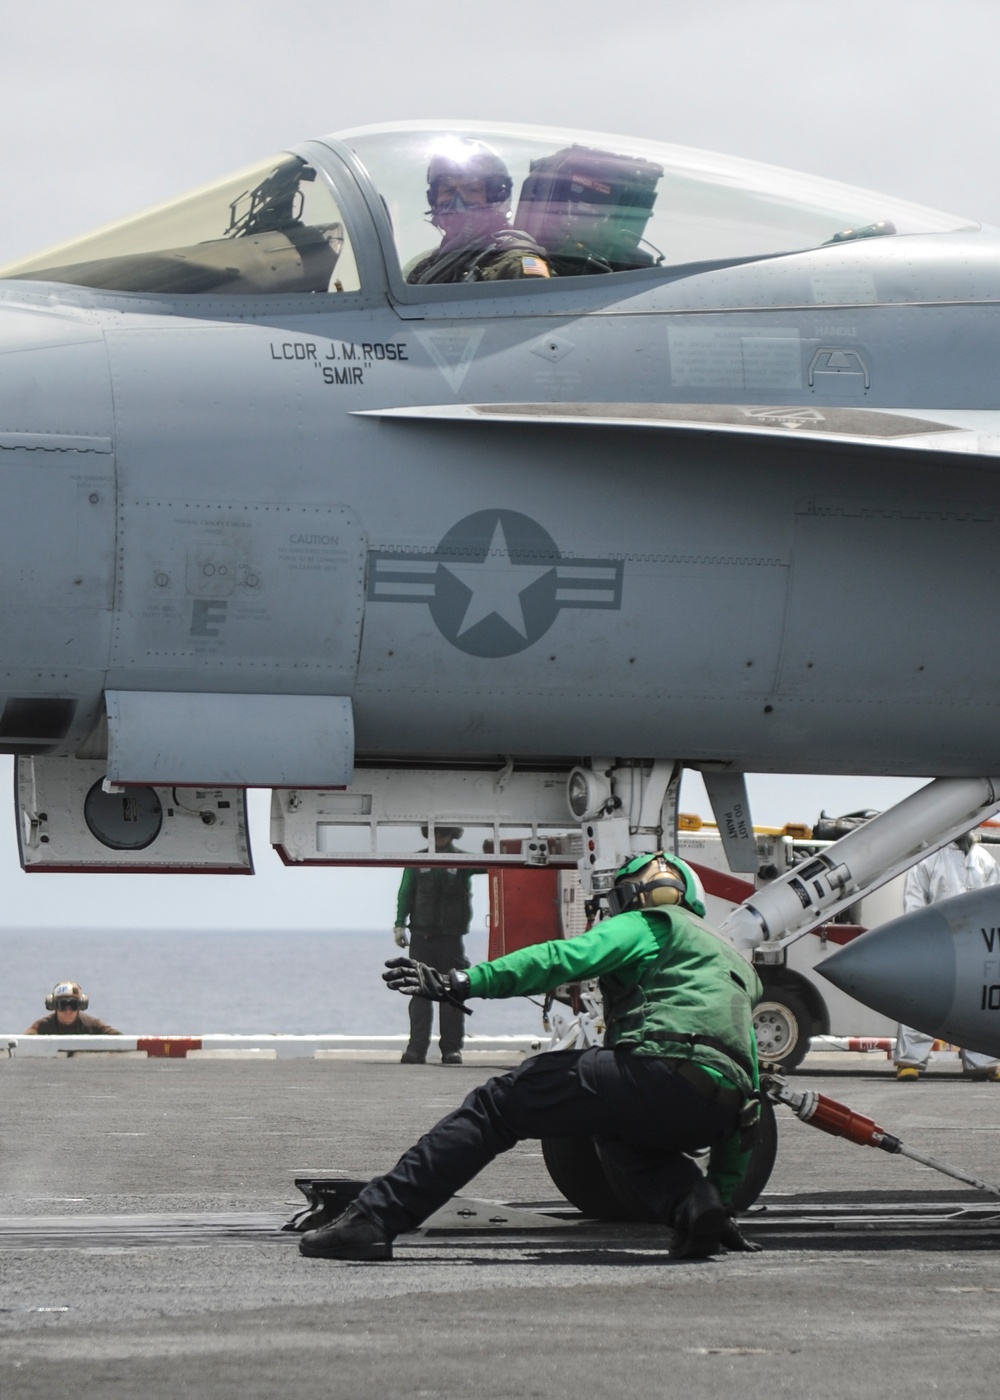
(943, 875)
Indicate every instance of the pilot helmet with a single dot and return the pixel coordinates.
(653, 880)
(468, 186)
(462, 158)
(590, 208)
(67, 991)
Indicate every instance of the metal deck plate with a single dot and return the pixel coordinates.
(784, 1222)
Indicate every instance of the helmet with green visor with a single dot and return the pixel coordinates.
(654, 880)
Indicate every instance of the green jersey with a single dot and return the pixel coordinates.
(436, 899)
(671, 986)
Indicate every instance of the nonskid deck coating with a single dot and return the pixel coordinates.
(207, 1299)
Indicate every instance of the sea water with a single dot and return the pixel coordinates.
(163, 982)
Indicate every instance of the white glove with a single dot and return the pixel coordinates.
(399, 934)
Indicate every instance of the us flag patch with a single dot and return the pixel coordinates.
(534, 267)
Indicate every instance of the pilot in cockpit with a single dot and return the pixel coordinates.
(468, 191)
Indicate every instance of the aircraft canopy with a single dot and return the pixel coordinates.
(593, 203)
(272, 228)
(598, 202)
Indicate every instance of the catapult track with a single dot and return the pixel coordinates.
(783, 1222)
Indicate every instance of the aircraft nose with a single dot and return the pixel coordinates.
(905, 968)
(55, 383)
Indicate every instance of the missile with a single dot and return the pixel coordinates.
(860, 862)
(937, 969)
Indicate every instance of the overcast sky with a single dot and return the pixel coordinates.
(109, 106)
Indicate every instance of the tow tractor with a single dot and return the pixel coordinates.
(797, 1005)
(528, 906)
(531, 906)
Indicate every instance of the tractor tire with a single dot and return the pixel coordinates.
(783, 1025)
(577, 1172)
(762, 1158)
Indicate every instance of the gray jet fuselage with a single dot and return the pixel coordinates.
(759, 532)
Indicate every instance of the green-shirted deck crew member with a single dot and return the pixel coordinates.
(677, 1072)
(433, 909)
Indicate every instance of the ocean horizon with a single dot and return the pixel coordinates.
(202, 982)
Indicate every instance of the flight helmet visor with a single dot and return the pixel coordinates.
(64, 993)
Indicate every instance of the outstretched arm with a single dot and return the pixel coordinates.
(625, 939)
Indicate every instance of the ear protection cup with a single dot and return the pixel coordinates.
(677, 884)
(664, 891)
(632, 894)
(66, 989)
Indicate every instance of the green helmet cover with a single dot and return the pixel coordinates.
(694, 894)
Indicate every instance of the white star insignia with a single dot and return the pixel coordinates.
(496, 585)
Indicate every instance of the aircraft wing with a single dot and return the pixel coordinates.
(851, 429)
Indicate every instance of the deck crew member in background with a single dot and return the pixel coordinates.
(468, 191)
(436, 902)
(66, 1004)
(677, 1072)
(961, 866)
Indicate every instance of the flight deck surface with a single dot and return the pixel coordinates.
(141, 1250)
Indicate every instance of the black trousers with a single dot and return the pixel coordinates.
(442, 951)
(645, 1116)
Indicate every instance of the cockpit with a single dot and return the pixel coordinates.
(583, 204)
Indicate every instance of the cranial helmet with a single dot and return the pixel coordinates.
(450, 833)
(464, 158)
(651, 881)
(66, 989)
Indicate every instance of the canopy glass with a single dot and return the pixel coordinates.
(584, 203)
(267, 230)
(598, 203)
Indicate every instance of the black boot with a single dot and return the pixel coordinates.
(352, 1235)
(698, 1222)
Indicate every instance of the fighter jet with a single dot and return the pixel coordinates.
(490, 475)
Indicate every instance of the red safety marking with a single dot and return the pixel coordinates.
(174, 1047)
(839, 933)
(863, 1042)
(723, 886)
